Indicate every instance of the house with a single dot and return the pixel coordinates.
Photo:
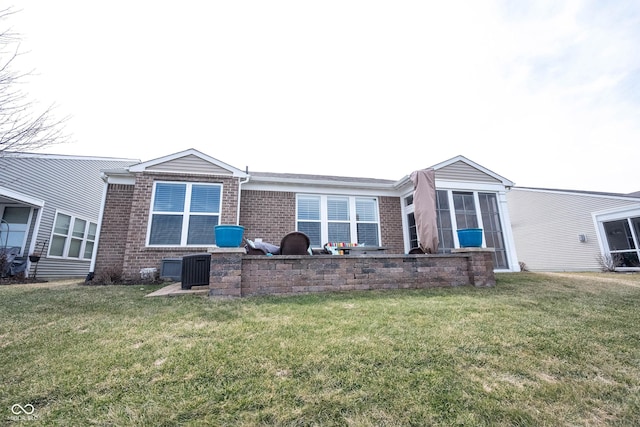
(167, 207)
(563, 230)
(51, 204)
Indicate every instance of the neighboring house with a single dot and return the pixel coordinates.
(168, 207)
(561, 230)
(51, 203)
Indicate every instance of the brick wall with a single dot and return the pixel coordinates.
(265, 214)
(268, 215)
(238, 275)
(115, 224)
(391, 224)
(126, 228)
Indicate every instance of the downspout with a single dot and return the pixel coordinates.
(240, 182)
(92, 267)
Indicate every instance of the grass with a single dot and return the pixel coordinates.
(534, 350)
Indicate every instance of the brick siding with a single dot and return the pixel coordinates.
(115, 224)
(391, 224)
(268, 215)
(126, 219)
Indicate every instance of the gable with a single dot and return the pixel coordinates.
(189, 163)
(462, 171)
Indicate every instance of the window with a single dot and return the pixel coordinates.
(72, 237)
(338, 223)
(346, 219)
(445, 224)
(13, 229)
(492, 228)
(465, 208)
(622, 238)
(470, 210)
(184, 214)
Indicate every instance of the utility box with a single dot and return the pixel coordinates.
(195, 270)
(171, 269)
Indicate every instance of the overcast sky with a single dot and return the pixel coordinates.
(544, 93)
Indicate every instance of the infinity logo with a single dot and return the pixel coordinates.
(27, 409)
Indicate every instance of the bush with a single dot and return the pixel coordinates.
(609, 262)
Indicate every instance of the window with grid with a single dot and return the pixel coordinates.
(347, 219)
(72, 237)
(623, 239)
(184, 214)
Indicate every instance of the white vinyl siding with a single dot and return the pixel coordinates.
(547, 226)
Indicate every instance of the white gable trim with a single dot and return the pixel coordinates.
(11, 194)
(141, 167)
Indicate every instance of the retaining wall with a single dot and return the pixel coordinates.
(235, 274)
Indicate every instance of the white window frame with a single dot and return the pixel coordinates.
(186, 214)
(409, 208)
(618, 214)
(353, 220)
(69, 237)
(5, 228)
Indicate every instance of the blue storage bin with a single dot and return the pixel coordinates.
(228, 236)
(470, 237)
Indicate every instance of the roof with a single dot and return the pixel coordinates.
(635, 195)
(309, 177)
(24, 155)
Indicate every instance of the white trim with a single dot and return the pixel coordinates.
(186, 214)
(69, 237)
(96, 243)
(121, 179)
(617, 213)
(20, 197)
(469, 186)
(614, 214)
(325, 187)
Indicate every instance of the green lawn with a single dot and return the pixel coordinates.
(534, 350)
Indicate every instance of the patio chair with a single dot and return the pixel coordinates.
(295, 243)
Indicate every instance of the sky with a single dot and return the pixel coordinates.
(545, 93)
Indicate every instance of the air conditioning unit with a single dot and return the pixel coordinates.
(171, 269)
(195, 270)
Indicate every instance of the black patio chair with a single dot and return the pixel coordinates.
(295, 243)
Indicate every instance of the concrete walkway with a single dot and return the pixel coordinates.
(175, 289)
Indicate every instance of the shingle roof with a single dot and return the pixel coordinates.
(592, 193)
(309, 177)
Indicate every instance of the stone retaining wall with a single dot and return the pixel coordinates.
(235, 274)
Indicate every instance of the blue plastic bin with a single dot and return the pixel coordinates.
(228, 236)
(470, 237)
